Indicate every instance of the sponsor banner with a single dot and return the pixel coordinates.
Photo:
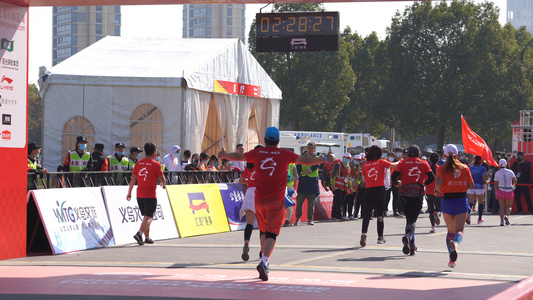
(323, 205)
(232, 197)
(13, 79)
(198, 209)
(125, 216)
(74, 218)
(235, 88)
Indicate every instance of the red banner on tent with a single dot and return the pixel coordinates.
(474, 144)
(228, 87)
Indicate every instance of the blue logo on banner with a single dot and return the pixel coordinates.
(232, 199)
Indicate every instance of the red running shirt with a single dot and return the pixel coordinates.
(374, 172)
(250, 175)
(413, 170)
(147, 171)
(270, 164)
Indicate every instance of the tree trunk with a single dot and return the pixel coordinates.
(440, 138)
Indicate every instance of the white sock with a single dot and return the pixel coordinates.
(265, 259)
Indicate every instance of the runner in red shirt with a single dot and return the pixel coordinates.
(413, 172)
(271, 164)
(248, 204)
(146, 173)
(373, 174)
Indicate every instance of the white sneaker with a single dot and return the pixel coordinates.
(351, 218)
(432, 230)
(345, 218)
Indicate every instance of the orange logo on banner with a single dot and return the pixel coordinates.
(228, 87)
(6, 135)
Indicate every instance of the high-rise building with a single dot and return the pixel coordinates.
(214, 21)
(520, 13)
(77, 27)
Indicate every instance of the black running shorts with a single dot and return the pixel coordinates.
(147, 206)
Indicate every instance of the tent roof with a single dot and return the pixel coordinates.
(135, 61)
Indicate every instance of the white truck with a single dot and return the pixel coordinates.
(325, 141)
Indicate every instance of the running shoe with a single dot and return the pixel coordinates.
(451, 264)
(432, 230)
(139, 238)
(310, 223)
(296, 223)
(412, 250)
(362, 242)
(245, 256)
(352, 218)
(406, 240)
(381, 240)
(338, 220)
(506, 218)
(436, 217)
(148, 241)
(502, 223)
(287, 224)
(468, 218)
(263, 271)
(453, 250)
(480, 221)
(345, 218)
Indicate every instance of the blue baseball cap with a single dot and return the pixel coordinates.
(272, 134)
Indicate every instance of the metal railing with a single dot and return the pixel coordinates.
(95, 179)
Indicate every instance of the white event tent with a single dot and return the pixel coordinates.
(134, 90)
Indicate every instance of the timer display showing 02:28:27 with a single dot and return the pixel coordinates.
(297, 24)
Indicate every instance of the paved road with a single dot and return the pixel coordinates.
(323, 260)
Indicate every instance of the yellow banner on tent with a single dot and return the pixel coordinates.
(198, 209)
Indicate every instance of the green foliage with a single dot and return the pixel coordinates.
(440, 60)
(35, 114)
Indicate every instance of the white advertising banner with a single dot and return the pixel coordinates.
(13, 79)
(74, 218)
(126, 217)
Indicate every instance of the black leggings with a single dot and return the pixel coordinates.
(374, 199)
(412, 207)
(433, 206)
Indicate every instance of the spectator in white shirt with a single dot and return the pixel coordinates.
(172, 163)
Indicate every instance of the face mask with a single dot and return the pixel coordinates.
(120, 153)
(346, 160)
(157, 158)
(36, 155)
(384, 155)
(216, 164)
(83, 146)
(462, 157)
(398, 154)
(391, 158)
(355, 162)
(138, 156)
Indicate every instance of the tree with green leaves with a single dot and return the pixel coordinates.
(315, 85)
(453, 59)
(35, 114)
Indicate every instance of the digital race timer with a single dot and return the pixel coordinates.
(296, 24)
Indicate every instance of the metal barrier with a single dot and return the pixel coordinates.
(96, 178)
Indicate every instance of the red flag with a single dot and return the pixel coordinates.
(474, 144)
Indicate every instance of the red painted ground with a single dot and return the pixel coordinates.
(234, 284)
